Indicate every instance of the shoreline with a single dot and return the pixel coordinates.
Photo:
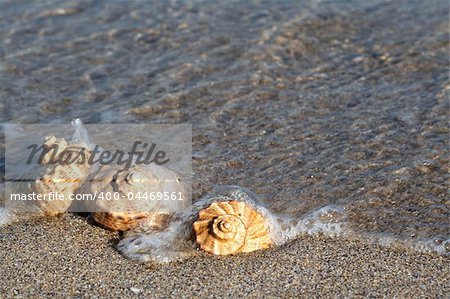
(332, 111)
(68, 257)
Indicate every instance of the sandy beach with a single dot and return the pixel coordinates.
(68, 257)
(334, 113)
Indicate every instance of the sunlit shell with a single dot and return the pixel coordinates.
(60, 179)
(230, 227)
(120, 221)
(126, 211)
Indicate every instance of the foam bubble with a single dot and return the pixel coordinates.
(4, 216)
(80, 135)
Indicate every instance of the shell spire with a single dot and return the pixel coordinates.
(229, 227)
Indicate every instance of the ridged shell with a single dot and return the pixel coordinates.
(63, 179)
(119, 221)
(124, 214)
(230, 227)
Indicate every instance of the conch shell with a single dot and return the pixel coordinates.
(63, 179)
(129, 210)
(230, 227)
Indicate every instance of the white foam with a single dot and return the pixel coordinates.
(436, 244)
(430, 245)
(160, 247)
(5, 216)
(80, 135)
(328, 220)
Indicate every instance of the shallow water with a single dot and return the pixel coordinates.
(324, 109)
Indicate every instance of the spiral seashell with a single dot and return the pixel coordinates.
(230, 227)
(124, 214)
(58, 178)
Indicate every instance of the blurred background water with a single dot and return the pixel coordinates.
(336, 109)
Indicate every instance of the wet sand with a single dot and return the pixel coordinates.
(69, 257)
(308, 103)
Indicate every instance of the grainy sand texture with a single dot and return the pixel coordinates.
(69, 257)
(314, 105)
